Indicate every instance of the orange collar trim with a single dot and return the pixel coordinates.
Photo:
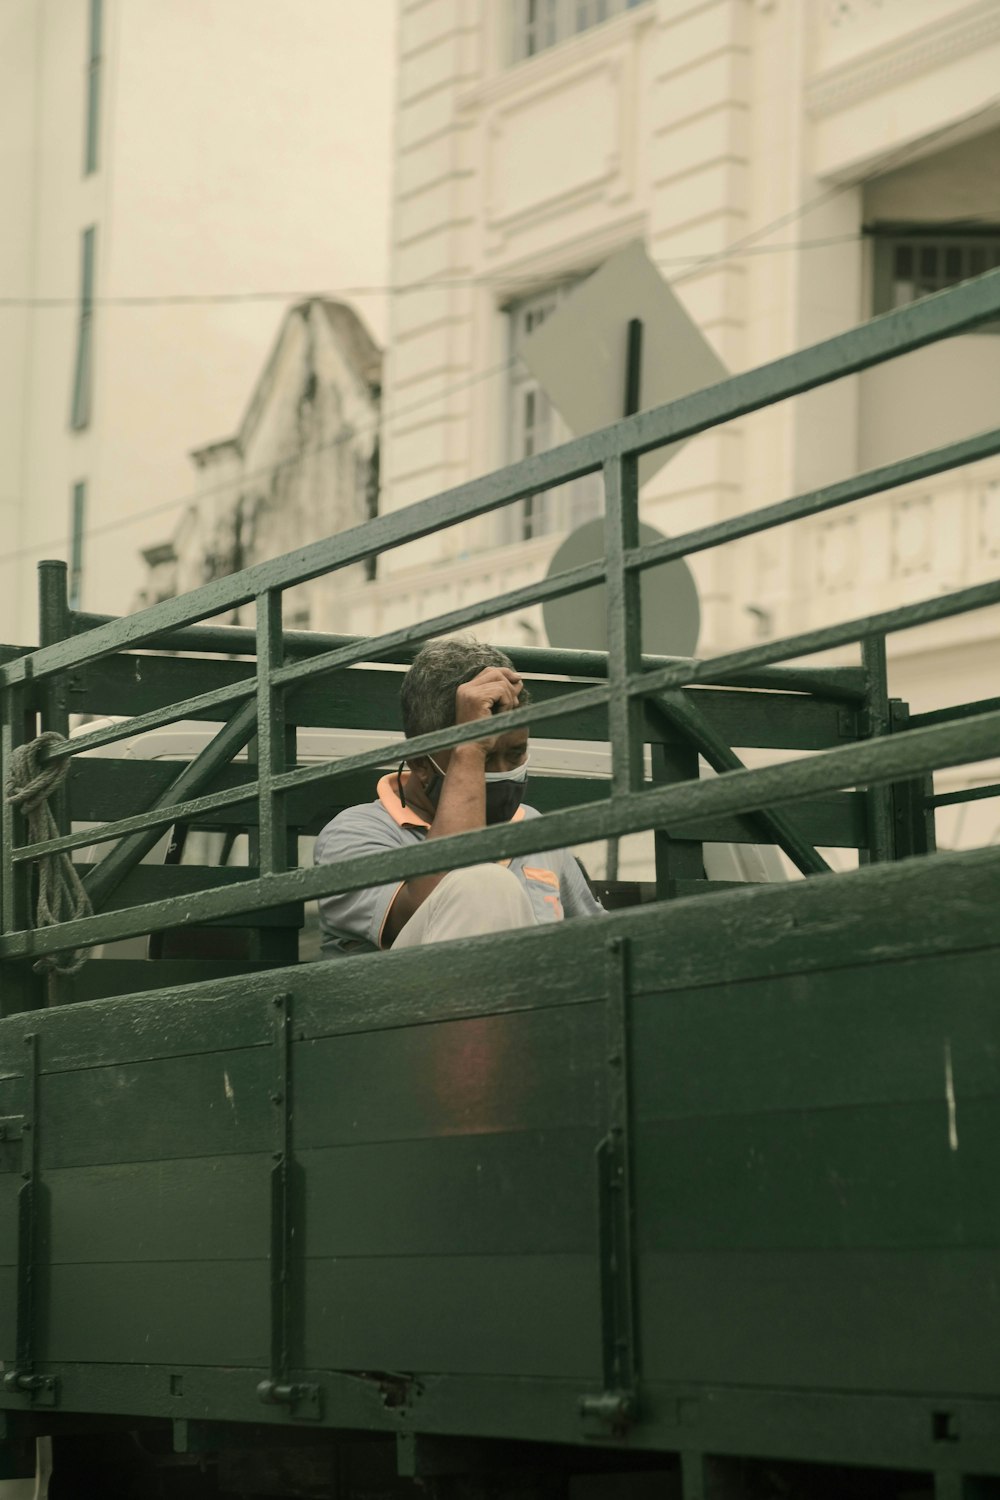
(408, 816)
(389, 798)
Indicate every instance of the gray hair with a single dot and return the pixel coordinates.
(440, 667)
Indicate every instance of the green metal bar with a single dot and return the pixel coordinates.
(686, 716)
(186, 708)
(621, 532)
(195, 808)
(677, 675)
(845, 683)
(54, 625)
(272, 829)
(815, 502)
(825, 638)
(970, 794)
(13, 733)
(892, 758)
(954, 711)
(229, 741)
(455, 619)
(168, 811)
(443, 739)
(881, 839)
(898, 332)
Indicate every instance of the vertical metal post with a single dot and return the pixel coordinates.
(677, 860)
(881, 844)
(914, 830)
(633, 398)
(271, 736)
(633, 367)
(616, 1405)
(53, 702)
(621, 495)
(20, 988)
(280, 1223)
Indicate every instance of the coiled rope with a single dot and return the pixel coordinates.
(61, 895)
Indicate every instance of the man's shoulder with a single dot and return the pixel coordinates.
(365, 819)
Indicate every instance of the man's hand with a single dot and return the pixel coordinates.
(493, 690)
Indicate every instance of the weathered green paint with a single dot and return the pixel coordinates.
(797, 1198)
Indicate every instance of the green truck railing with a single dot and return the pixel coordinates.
(625, 686)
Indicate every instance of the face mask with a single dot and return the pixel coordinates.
(504, 791)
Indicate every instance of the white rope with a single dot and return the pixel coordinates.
(61, 896)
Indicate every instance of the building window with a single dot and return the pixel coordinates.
(78, 511)
(912, 262)
(536, 25)
(93, 122)
(82, 378)
(535, 425)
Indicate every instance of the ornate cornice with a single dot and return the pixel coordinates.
(905, 57)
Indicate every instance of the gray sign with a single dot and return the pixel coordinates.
(671, 615)
(578, 354)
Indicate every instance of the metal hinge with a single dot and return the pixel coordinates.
(42, 1390)
(303, 1400)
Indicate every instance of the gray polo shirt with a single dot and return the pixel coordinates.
(553, 880)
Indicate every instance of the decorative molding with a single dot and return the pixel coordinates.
(606, 179)
(555, 63)
(894, 62)
(837, 553)
(912, 535)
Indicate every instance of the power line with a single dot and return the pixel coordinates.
(209, 299)
(746, 244)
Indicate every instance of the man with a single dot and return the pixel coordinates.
(452, 791)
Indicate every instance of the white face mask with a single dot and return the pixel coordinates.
(519, 773)
(501, 804)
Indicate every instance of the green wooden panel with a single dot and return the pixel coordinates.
(482, 1314)
(941, 904)
(159, 1312)
(865, 1177)
(157, 1025)
(209, 1104)
(200, 1209)
(872, 1034)
(528, 1070)
(861, 1320)
(511, 1193)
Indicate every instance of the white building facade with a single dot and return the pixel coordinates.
(172, 176)
(793, 167)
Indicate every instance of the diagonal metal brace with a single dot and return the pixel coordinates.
(130, 852)
(680, 713)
